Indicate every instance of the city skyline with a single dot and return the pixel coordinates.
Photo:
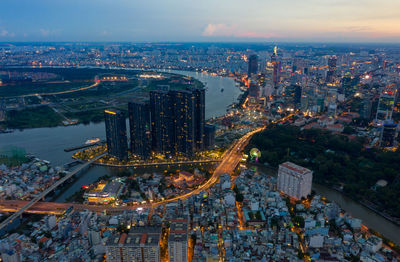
(205, 21)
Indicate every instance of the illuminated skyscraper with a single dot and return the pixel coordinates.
(177, 120)
(277, 67)
(184, 121)
(199, 117)
(162, 125)
(385, 106)
(140, 129)
(117, 144)
(253, 65)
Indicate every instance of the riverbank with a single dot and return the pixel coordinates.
(370, 218)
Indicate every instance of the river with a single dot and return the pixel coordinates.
(49, 144)
(368, 217)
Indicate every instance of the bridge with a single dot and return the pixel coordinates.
(43, 194)
(164, 163)
(230, 159)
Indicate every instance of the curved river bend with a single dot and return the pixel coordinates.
(49, 144)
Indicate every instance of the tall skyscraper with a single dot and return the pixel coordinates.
(184, 121)
(389, 134)
(140, 129)
(331, 73)
(385, 106)
(209, 136)
(276, 66)
(162, 125)
(294, 180)
(117, 144)
(199, 117)
(253, 65)
(177, 120)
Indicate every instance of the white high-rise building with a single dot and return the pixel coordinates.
(294, 180)
(178, 241)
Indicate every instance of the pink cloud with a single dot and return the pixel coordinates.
(233, 30)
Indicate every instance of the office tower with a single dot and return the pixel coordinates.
(293, 94)
(294, 180)
(162, 125)
(209, 136)
(276, 67)
(253, 65)
(385, 106)
(254, 89)
(178, 241)
(331, 73)
(304, 103)
(177, 121)
(117, 144)
(199, 117)
(366, 106)
(140, 244)
(140, 129)
(389, 134)
(184, 121)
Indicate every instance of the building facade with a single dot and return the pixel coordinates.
(141, 244)
(253, 65)
(178, 241)
(177, 121)
(117, 144)
(294, 180)
(140, 129)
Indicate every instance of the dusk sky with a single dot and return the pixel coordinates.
(202, 20)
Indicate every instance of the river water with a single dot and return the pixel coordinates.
(49, 144)
(368, 217)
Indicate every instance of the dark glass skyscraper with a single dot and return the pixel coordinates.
(184, 121)
(162, 125)
(140, 129)
(199, 117)
(253, 65)
(117, 144)
(331, 74)
(177, 120)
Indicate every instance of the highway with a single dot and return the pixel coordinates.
(231, 159)
(64, 92)
(43, 194)
(162, 163)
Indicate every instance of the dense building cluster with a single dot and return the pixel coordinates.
(172, 122)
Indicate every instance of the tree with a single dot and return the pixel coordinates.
(298, 221)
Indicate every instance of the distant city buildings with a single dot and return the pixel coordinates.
(117, 144)
(294, 180)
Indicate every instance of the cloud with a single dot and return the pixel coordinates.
(233, 30)
(5, 33)
(44, 32)
(105, 33)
